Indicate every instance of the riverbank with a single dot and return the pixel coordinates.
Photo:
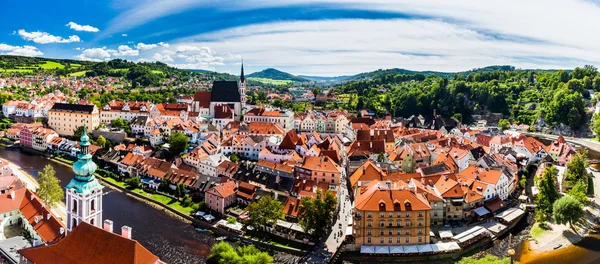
(551, 236)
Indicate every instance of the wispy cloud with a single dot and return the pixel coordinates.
(45, 38)
(77, 27)
(94, 54)
(29, 51)
(144, 47)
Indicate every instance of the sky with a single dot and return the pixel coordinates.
(320, 38)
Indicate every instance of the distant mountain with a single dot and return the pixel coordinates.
(199, 70)
(326, 78)
(274, 74)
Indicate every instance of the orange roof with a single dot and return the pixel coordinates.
(291, 206)
(375, 197)
(87, 244)
(480, 174)
(368, 171)
(449, 188)
(225, 189)
(323, 163)
(266, 128)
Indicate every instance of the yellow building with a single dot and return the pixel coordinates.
(66, 118)
(389, 213)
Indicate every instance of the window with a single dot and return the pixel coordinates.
(381, 240)
(382, 215)
(381, 223)
(398, 222)
(369, 215)
(420, 231)
(407, 240)
(368, 240)
(369, 232)
(407, 231)
(407, 214)
(390, 232)
(381, 232)
(390, 215)
(420, 222)
(369, 223)
(390, 240)
(420, 214)
(398, 231)
(407, 223)
(420, 239)
(390, 223)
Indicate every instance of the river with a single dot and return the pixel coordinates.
(171, 240)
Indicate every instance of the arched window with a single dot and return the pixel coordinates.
(74, 222)
(93, 206)
(74, 209)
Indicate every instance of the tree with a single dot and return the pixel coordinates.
(49, 186)
(547, 193)
(264, 212)
(503, 124)
(234, 158)
(178, 143)
(164, 185)
(133, 183)
(381, 157)
(567, 210)
(317, 214)
(595, 125)
(487, 259)
(223, 252)
(78, 132)
(180, 190)
(579, 192)
(576, 168)
(101, 141)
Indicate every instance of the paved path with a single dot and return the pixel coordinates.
(32, 184)
(337, 232)
(584, 142)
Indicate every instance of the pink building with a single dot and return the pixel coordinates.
(221, 196)
(26, 137)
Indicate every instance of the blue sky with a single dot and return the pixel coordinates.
(325, 37)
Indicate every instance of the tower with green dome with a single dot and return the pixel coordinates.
(84, 192)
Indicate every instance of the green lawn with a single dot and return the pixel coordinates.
(537, 231)
(158, 72)
(270, 81)
(51, 65)
(79, 73)
(75, 65)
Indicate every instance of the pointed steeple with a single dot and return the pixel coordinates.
(242, 78)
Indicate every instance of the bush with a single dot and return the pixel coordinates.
(133, 183)
(186, 201)
(231, 220)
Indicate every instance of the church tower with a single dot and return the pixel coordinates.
(243, 88)
(84, 192)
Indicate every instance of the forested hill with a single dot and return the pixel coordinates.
(521, 95)
(141, 73)
(274, 74)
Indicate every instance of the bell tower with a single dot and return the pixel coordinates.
(243, 88)
(84, 192)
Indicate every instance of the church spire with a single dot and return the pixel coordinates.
(242, 78)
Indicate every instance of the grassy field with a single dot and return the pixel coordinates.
(51, 65)
(75, 65)
(157, 72)
(16, 70)
(270, 81)
(79, 73)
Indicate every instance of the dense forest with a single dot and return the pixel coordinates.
(274, 74)
(522, 95)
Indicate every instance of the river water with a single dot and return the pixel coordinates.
(170, 239)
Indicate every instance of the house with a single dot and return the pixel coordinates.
(284, 118)
(41, 137)
(66, 118)
(124, 110)
(319, 169)
(221, 196)
(390, 214)
(227, 169)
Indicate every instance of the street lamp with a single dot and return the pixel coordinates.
(511, 253)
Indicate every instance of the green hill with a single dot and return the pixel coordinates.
(274, 74)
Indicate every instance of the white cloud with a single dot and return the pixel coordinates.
(77, 27)
(29, 51)
(144, 47)
(94, 54)
(45, 38)
(123, 35)
(125, 50)
(162, 58)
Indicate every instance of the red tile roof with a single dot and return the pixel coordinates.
(87, 244)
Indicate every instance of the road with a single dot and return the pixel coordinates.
(32, 184)
(337, 232)
(583, 142)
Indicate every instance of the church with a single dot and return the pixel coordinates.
(226, 100)
(89, 239)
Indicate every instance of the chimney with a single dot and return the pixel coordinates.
(108, 225)
(48, 216)
(12, 195)
(61, 230)
(126, 232)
